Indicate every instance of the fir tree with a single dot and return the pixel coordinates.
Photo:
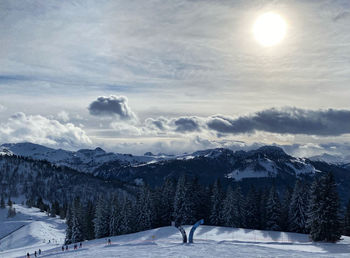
(89, 232)
(183, 203)
(298, 209)
(273, 211)
(166, 202)
(2, 202)
(126, 217)
(347, 220)
(145, 210)
(114, 222)
(239, 208)
(285, 209)
(323, 215)
(228, 209)
(101, 221)
(69, 219)
(252, 213)
(216, 202)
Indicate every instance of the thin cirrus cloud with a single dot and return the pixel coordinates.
(112, 106)
(329, 122)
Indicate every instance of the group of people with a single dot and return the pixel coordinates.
(35, 253)
(75, 246)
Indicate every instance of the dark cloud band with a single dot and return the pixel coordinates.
(328, 122)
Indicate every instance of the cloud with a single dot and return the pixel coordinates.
(187, 124)
(112, 106)
(328, 122)
(2, 108)
(63, 116)
(41, 130)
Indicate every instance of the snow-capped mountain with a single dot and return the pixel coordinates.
(207, 165)
(332, 159)
(83, 160)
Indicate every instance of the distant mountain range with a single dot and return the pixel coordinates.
(263, 166)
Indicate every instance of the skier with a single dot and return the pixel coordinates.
(28, 255)
(80, 245)
(62, 248)
(109, 241)
(66, 247)
(75, 246)
(39, 251)
(35, 254)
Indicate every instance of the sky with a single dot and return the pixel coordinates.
(174, 76)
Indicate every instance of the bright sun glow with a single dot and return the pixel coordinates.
(269, 29)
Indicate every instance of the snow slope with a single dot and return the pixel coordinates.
(28, 231)
(167, 242)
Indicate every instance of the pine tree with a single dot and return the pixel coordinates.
(264, 195)
(69, 222)
(77, 234)
(239, 208)
(2, 202)
(347, 220)
(114, 222)
(216, 202)
(298, 209)
(183, 203)
(273, 211)
(323, 216)
(77, 221)
(166, 202)
(126, 217)
(252, 213)
(228, 208)
(285, 209)
(89, 220)
(101, 221)
(145, 210)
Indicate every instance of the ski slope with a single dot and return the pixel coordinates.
(162, 242)
(28, 231)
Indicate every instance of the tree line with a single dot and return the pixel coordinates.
(306, 208)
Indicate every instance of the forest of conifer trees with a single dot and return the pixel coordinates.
(313, 209)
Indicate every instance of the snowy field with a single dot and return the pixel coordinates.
(33, 230)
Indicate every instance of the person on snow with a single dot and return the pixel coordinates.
(35, 254)
(62, 248)
(66, 247)
(39, 251)
(80, 245)
(109, 241)
(28, 255)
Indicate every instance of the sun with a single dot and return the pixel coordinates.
(269, 29)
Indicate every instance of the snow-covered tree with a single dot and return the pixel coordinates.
(298, 209)
(166, 202)
(145, 209)
(183, 203)
(273, 211)
(101, 221)
(252, 212)
(323, 215)
(228, 209)
(216, 204)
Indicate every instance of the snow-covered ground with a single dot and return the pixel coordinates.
(161, 242)
(28, 231)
